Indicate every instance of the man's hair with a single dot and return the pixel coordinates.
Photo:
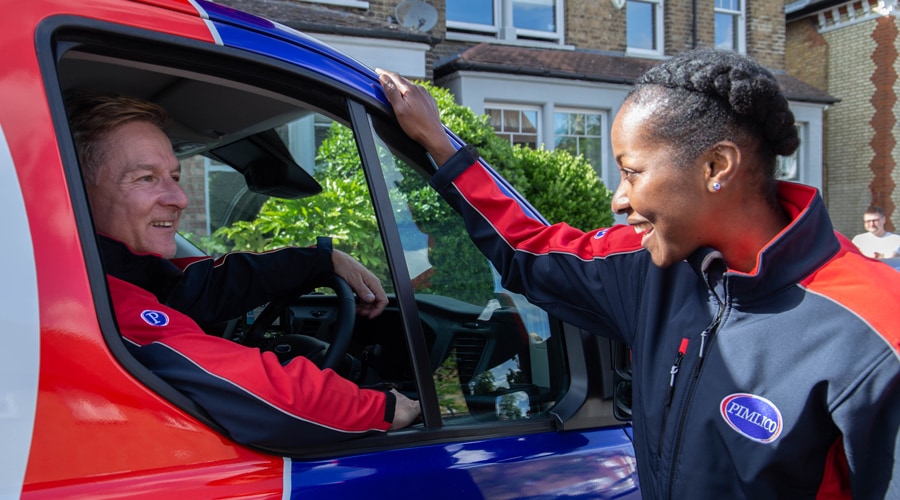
(875, 210)
(704, 96)
(92, 116)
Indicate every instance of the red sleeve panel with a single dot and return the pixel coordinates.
(527, 234)
(870, 439)
(248, 392)
(849, 280)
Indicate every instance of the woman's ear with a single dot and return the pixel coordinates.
(723, 160)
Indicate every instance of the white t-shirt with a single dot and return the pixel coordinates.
(887, 245)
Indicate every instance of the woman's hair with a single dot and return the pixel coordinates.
(92, 116)
(704, 96)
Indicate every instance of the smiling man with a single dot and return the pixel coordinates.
(134, 192)
(877, 242)
(132, 180)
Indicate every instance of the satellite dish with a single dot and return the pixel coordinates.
(416, 15)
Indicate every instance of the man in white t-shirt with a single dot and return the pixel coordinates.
(876, 241)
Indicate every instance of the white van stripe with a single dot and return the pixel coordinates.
(209, 24)
(20, 324)
(286, 479)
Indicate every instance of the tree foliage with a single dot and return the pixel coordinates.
(562, 187)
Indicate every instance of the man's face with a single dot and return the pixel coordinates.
(874, 223)
(136, 197)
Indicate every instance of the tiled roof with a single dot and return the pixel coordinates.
(582, 65)
(505, 59)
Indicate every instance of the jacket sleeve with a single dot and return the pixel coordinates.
(586, 278)
(213, 290)
(869, 420)
(256, 399)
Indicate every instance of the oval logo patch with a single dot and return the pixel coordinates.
(155, 318)
(753, 416)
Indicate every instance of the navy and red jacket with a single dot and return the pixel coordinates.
(256, 399)
(782, 382)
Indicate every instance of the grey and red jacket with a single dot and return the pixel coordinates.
(782, 382)
(256, 399)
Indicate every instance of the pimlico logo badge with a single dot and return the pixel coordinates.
(752, 416)
(155, 318)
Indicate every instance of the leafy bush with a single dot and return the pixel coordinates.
(560, 186)
(564, 188)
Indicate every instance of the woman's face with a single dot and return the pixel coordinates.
(663, 202)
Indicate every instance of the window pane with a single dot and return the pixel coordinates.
(641, 25)
(526, 140)
(240, 219)
(584, 135)
(726, 31)
(518, 126)
(577, 120)
(528, 121)
(228, 199)
(591, 148)
(728, 4)
(560, 124)
(495, 356)
(496, 116)
(568, 143)
(537, 15)
(593, 124)
(511, 120)
(788, 168)
(471, 11)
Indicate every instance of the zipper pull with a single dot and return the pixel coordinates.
(682, 350)
(703, 343)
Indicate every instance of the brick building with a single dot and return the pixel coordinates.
(553, 73)
(849, 49)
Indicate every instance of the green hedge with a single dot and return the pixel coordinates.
(561, 187)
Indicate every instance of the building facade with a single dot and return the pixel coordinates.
(850, 49)
(553, 73)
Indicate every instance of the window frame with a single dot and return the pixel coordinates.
(520, 108)
(602, 138)
(739, 18)
(800, 156)
(503, 28)
(657, 29)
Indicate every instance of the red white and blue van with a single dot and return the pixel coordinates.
(515, 403)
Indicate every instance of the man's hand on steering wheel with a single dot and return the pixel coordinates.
(364, 283)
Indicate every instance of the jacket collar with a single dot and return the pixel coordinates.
(803, 246)
(148, 271)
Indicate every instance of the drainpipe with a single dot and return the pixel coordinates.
(693, 24)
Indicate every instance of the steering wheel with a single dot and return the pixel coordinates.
(342, 328)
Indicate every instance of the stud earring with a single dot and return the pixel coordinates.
(716, 186)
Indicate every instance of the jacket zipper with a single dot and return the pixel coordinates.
(705, 339)
(682, 349)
